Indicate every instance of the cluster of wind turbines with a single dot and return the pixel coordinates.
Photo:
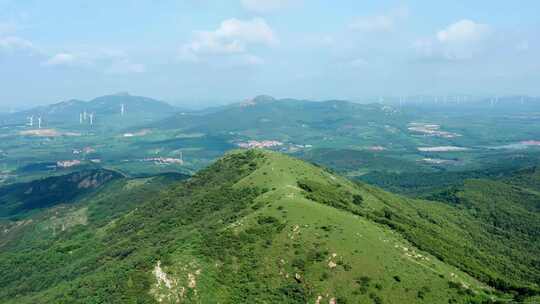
(85, 116)
(445, 100)
(90, 117)
(31, 121)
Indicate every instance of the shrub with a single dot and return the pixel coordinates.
(358, 199)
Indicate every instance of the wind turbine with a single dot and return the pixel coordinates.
(39, 122)
(122, 109)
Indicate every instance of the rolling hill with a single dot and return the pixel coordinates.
(264, 117)
(261, 227)
(106, 110)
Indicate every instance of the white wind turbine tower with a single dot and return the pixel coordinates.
(39, 122)
(80, 118)
(91, 119)
(122, 109)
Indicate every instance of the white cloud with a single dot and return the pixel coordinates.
(13, 43)
(251, 31)
(233, 36)
(61, 59)
(462, 40)
(106, 61)
(265, 6)
(380, 23)
(464, 31)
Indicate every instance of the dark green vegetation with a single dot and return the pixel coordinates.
(423, 183)
(260, 227)
(41, 208)
(19, 199)
(358, 162)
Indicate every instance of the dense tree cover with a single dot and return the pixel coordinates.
(349, 160)
(491, 229)
(17, 199)
(420, 183)
(103, 265)
(211, 223)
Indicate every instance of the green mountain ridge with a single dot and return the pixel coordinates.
(261, 227)
(269, 117)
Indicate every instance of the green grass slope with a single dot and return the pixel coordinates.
(255, 227)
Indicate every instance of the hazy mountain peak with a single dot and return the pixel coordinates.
(260, 99)
(121, 94)
(263, 98)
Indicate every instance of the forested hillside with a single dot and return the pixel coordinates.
(261, 227)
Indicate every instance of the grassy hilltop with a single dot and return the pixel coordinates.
(261, 227)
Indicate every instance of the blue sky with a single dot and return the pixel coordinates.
(207, 52)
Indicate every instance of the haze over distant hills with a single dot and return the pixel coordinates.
(101, 108)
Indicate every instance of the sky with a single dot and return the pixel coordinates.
(204, 52)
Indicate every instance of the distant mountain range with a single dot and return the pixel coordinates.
(266, 116)
(70, 112)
